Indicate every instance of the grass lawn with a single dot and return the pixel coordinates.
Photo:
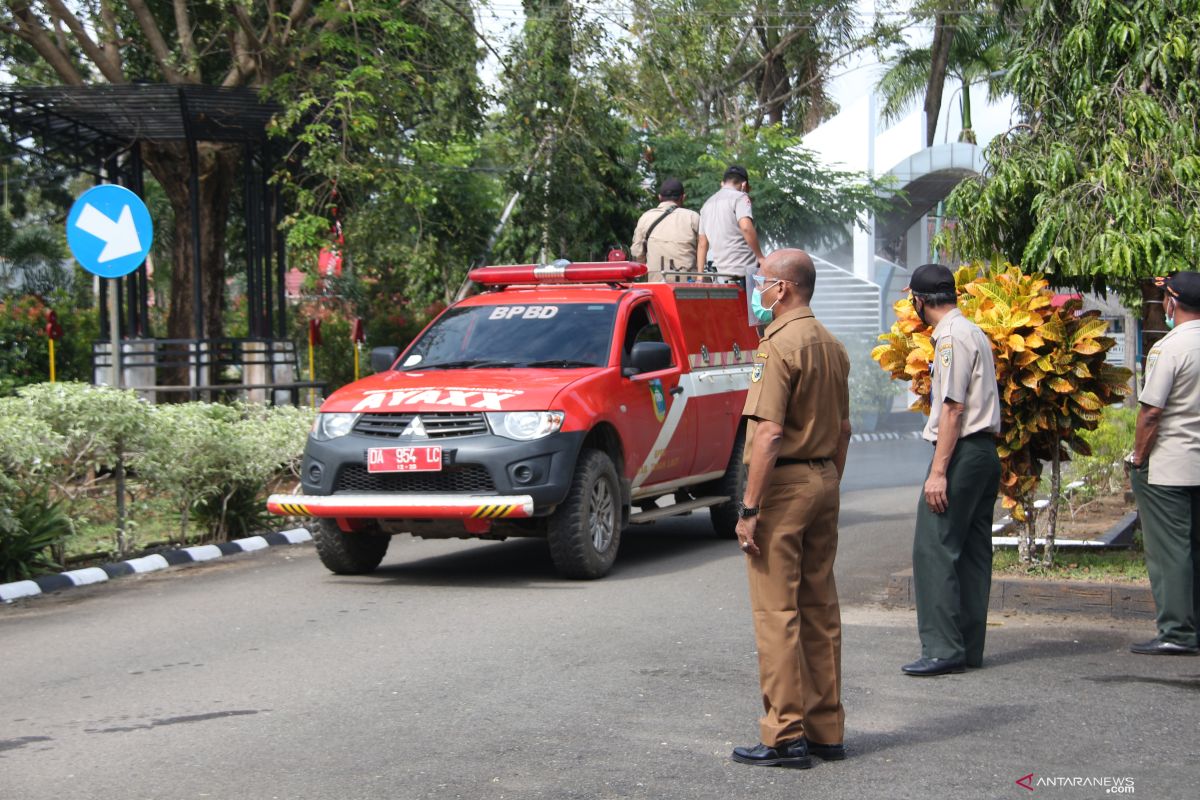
(1108, 566)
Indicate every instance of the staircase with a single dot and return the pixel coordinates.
(848, 306)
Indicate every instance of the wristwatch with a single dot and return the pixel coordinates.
(746, 512)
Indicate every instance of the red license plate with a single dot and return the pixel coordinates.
(404, 459)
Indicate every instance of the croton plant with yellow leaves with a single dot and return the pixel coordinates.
(1050, 364)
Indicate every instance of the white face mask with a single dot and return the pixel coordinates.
(1170, 314)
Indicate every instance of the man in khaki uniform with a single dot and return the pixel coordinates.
(665, 236)
(798, 431)
(728, 237)
(952, 547)
(1165, 470)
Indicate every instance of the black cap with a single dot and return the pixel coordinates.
(671, 188)
(736, 171)
(932, 279)
(1183, 286)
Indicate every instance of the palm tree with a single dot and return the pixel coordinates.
(31, 259)
(975, 53)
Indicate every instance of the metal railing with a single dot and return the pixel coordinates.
(261, 370)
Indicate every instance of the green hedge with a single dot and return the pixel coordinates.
(59, 443)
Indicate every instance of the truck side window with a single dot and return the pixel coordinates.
(641, 327)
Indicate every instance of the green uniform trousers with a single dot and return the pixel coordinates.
(952, 555)
(797, 620)
(1170, 518)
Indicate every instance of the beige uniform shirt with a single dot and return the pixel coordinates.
(671, 246)
(962, 370)
(800, 381)
(1173, 384)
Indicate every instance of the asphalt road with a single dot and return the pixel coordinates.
(468, 670)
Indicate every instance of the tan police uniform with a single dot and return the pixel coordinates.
(671, 246)
(952, 551)
(963, 370)
(1168, 491)
(799, 380)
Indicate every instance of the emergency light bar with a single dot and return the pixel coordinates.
(560, 272)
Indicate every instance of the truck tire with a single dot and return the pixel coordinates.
(350, 553)
(732, 484)
(584, 532)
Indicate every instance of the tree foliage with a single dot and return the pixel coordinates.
(1050, 365)
(570, 156)
(723, 65)
(973, 48)
(1099, 186)
(796, 200)
(361, 84)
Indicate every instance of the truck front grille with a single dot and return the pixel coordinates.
(437, 425)
(467, 479)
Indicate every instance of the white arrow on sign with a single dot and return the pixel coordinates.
(120, 238)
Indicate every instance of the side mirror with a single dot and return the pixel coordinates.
(382, 358)
(649, 357)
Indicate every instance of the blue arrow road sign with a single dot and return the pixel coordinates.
(109, 231)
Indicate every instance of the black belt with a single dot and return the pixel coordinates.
(975, 435)
(783, 462)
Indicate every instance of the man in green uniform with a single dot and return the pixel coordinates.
(1165, 470)
(952, 547)
(798, 431)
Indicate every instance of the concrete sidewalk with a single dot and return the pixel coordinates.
(1059, 697)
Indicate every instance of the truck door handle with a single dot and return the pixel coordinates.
(676, 390)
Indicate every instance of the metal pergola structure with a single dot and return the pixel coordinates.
(100, 130)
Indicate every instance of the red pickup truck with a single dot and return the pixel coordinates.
(564, 401)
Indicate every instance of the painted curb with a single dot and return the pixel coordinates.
(151, 563)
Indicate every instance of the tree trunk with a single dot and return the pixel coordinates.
(967, 134)
(1055, 499)
(1027, 537)
(1154, 318)
(943, 35)
(217, 167)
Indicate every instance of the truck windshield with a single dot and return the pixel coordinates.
(562, 336)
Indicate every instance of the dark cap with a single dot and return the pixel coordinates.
(932, 279)
(1183, 286)
(736, 171)
(671, 187)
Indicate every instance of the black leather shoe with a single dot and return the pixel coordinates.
(827, 752)
(928, 667)
(1157, 647)
(792, 754)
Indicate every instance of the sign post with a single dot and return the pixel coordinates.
(54, 332)
(109, 232)
(358, 335)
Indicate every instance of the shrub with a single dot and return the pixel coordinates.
(31, 524)
(28, 447)
(1051, 371)
(98, 426)
(29, 532)
(1101, 470)
(210, 459)
(24, 349)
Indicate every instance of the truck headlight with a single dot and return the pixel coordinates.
(525, 425)
(331, 426)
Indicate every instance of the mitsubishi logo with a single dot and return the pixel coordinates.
(416, 429)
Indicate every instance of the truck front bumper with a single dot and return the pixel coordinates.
(402, 506)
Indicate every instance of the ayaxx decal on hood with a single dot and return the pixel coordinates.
(451, 396)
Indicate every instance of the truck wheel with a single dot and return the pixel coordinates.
(733, 484)
(585, 531)
(350, 553)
